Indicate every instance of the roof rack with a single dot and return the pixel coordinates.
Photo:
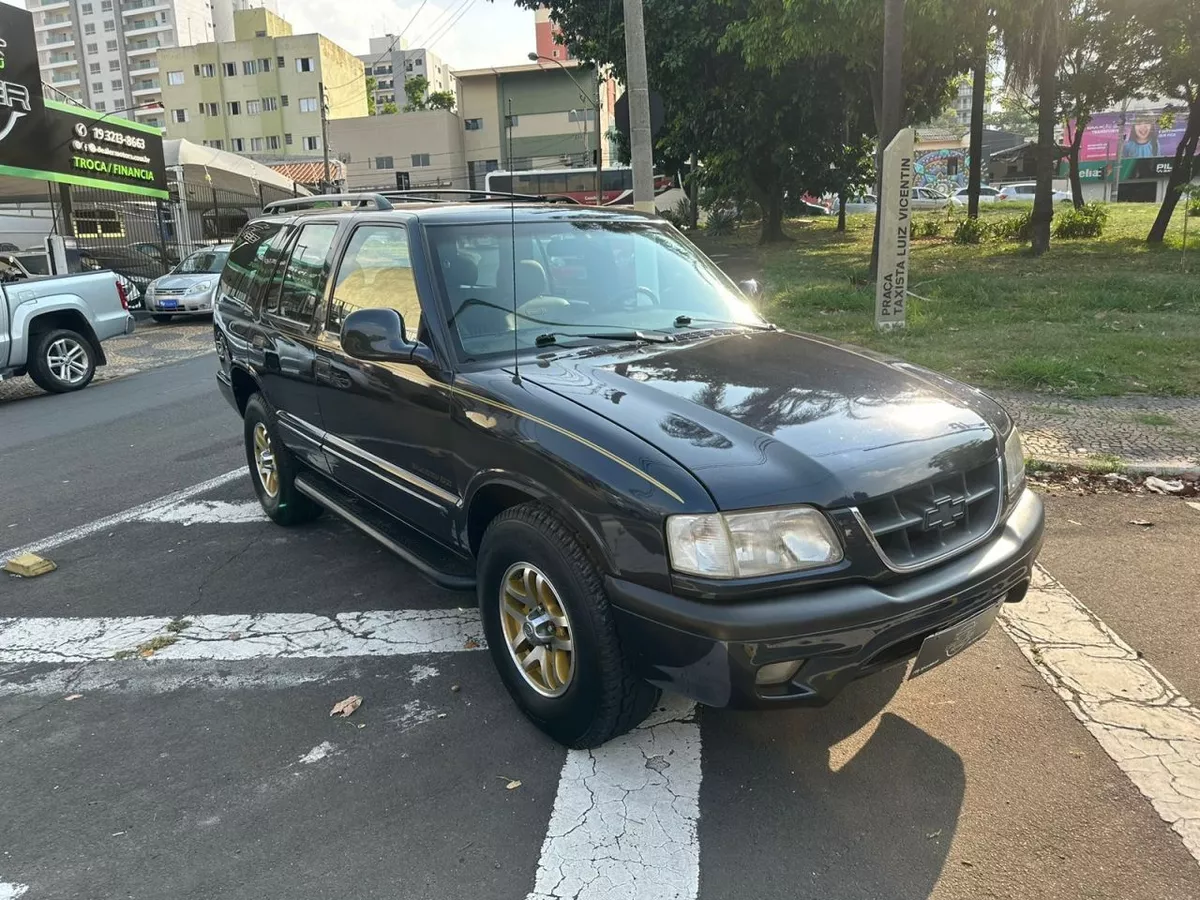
(424, 195)
(380, 201)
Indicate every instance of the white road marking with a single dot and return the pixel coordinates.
(206, 512)
(129, 515)
(318, 753)
(625, 816)
(1141, 720)
(417, 674)
(12, 891)
(225, 637)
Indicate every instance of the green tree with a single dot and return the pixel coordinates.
(441, 100)
(389, 109)
(1016, 114)
(416, 89)
(372, 84)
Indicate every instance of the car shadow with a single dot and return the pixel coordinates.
(867, 804)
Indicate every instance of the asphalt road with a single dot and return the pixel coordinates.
(221, 773)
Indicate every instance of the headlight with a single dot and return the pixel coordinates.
(1014, 465)
(743, 545)
(200, 288)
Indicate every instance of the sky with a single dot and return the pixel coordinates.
(467, 34)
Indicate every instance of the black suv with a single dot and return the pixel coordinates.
(573, 413)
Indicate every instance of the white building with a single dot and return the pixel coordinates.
(104, 54)
(391, 62)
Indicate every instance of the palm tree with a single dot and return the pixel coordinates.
(1030, 30)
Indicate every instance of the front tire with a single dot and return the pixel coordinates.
(550, 631)
(272, 468)
(62, 360)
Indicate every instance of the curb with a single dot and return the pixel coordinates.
(1163, 470)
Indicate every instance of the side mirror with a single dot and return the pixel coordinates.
(378, 335)
(750, 288)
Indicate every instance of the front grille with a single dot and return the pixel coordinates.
(921, 524)
(169, 292)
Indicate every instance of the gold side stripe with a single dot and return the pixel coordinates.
(575, 437)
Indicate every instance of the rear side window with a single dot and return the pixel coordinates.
(296, 293)
(246, 269)
(376, 273)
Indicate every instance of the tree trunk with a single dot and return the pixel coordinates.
(1047, 147)
(1073, 163)
(1181, 174)
(841, 226)
(772, 222)
(978, 94)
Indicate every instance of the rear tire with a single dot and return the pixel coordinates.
(61, 361)
(272, 468)
(597, 695)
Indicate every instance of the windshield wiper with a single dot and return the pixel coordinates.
(551, 337)
(685, 321)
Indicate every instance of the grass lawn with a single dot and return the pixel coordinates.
(1104, 316)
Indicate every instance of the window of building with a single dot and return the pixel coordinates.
(383, 70)
(216, 144)
(305, 64)
(264, 64)
(208, 70)
(94, 68)
(297, 294)
(312, 143)
(951, 166)
(385, 162)
(85, 9)
(473, 124)
(110, 46)
(118, 84)
(233, 108)
(114, 65)
(100, 106)
(260, 33)
(579, 115)
(256, 145)
(269, 104)
(213, 109)
(118, 104)
(418, 61)
(97, 87)
(522, 163)
(283, 99)
(556, 54)
(106, 5)
(237, 145)
(230, 69)
(512, 121)
(175, 77)
(92, 49)
(419, 160)
(272, 142)
(308, 104)
(287, 138)
(408, 67)
(250, 67)
(110, 25)
(179, 115)
(253, 107)
(376, 274)
(279, 62)
(89, 28)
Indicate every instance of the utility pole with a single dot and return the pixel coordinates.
(978, 95)
(508, 162)
(325, 132)
(599, 152)
(893, 98)
(640, 137)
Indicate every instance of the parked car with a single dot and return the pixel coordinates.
(189, 288)
(52, 328)
(863, 203)
(928, 198)
(573, 413)
(1025, 190)
(987, 194)
(36, 264)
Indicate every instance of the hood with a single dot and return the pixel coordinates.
(182, 282)
(774, 418)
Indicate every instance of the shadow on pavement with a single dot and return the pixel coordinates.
(867, 804)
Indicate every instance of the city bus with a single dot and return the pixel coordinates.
(577, 185)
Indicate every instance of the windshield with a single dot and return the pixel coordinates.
(203, 262)
(575, 277)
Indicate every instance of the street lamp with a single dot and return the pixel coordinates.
(594, 104)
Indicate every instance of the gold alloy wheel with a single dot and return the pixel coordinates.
(537, 631)
(264, 460)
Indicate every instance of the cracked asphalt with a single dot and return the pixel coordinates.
(214, 769)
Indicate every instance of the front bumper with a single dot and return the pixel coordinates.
(712, 652)
(185, 305)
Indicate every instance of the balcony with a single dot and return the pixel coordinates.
(58, 60)
(64, 79)
(141, 48)
(50, 4)
(139, 27)
(51, 24)
(145, 87)
(58, 40)
(142, 112)
(146, 67)
(136, 6)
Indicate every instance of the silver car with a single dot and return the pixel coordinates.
(189, 288)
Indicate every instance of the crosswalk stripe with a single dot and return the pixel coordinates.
(240, 637)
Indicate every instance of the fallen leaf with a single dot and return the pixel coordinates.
(347, 706)
(512, 785)
(1141, 522)
(933, 834)
(73, 697)
(471, 644)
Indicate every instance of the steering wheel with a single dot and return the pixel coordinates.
(632, 300)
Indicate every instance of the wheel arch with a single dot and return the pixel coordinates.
(70, 319)
(244, 386)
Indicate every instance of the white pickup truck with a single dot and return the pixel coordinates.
(52, 328)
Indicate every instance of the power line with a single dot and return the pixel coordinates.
(437, 23)
(389, 49)
(450, 26)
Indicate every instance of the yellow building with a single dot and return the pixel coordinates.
(260, 94)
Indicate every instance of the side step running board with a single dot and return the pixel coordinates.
(437, 563)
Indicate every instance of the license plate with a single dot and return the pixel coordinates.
(168, 304)
(939, 647)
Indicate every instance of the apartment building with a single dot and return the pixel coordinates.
(539, 115)
(103, 53)
(546, 34)
(222, 15)
(391, 62)
(426, 147)
(260, 94)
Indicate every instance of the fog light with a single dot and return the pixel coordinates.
(777, 673)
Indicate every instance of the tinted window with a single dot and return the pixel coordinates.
(501, 183)
(202, 262)
(581, 182)
(245, 270)
(296, 294)
(376, 273)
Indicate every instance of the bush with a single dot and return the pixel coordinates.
(927, 228)
(970, 231)
(721, 220)
(1194, 208)
(1085, 222)
(1017, 228)
(679, 215)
